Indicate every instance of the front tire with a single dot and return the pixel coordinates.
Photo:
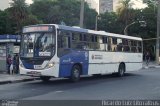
(45, 78)
(121, 70)
(75, 73)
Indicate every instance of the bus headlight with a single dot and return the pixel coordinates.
(49, 65)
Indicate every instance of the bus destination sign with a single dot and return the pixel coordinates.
(37, 29)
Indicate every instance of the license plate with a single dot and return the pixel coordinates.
(37, 67)
(34, 73)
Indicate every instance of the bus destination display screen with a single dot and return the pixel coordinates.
(37, 29)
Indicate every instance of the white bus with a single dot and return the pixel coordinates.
(52, 50)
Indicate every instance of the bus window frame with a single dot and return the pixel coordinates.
(55, 40)
(107, 43)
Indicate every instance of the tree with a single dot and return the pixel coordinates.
(41, 9)
(125, 11)
(109, 22)
(89, 17)
(31, 20)
(150, 3)
(67, 11)
(18, 12)
(7, 26)
(3, 17)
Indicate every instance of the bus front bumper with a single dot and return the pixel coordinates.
(52, 72)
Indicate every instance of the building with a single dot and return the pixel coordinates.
(102, 6)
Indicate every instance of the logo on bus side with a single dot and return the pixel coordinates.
(97, 57)
(67, 60)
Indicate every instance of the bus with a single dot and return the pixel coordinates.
(50, 50)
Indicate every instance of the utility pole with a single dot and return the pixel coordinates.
(82, 13)
(158, 33)
(96, 26)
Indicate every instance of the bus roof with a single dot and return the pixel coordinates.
(97, 32)
(78, 29)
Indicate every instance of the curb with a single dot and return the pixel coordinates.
(4, 82)
(18, 81)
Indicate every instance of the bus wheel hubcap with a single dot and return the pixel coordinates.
(121, 71)
(76, 73)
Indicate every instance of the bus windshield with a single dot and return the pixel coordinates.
(38, 45)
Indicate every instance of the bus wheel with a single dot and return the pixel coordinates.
(45, 78)
(75, 73)
(121, 70)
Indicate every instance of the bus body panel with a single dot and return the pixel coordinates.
(69, 60)
(53, 71)
(108, 62)
(133, 66)
(30, 65)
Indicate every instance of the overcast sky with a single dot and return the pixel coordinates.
(138, 3)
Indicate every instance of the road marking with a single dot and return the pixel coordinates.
(59, 91)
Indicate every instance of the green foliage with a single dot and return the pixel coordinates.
(7, 26)
(44, 11)
(108, 22)
(18, 12)
(89, 17)
(41, 9)
(56, 11)
(31, 20)
(151, 3)
(125, 11)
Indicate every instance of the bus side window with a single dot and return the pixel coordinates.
(104, 45)
(114, 44)
(92, 42)
(63, 43)
(96, 42)
(139, 47)
(125, 45)
(109, 44)
(76, 42)
(85, 42)
(133, 46)
(119, 45)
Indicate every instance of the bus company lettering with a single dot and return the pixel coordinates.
(97, 57)
(67, 60)
(44, 53)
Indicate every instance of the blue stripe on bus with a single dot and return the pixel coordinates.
(28, 65)
(67, 62)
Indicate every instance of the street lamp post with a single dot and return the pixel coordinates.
(126, 28)
(142, 23)
(82, 13)
(158, 33)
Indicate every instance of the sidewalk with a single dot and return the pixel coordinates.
(152, 64)
(6, 79)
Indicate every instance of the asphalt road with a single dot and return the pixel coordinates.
(139, 85)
